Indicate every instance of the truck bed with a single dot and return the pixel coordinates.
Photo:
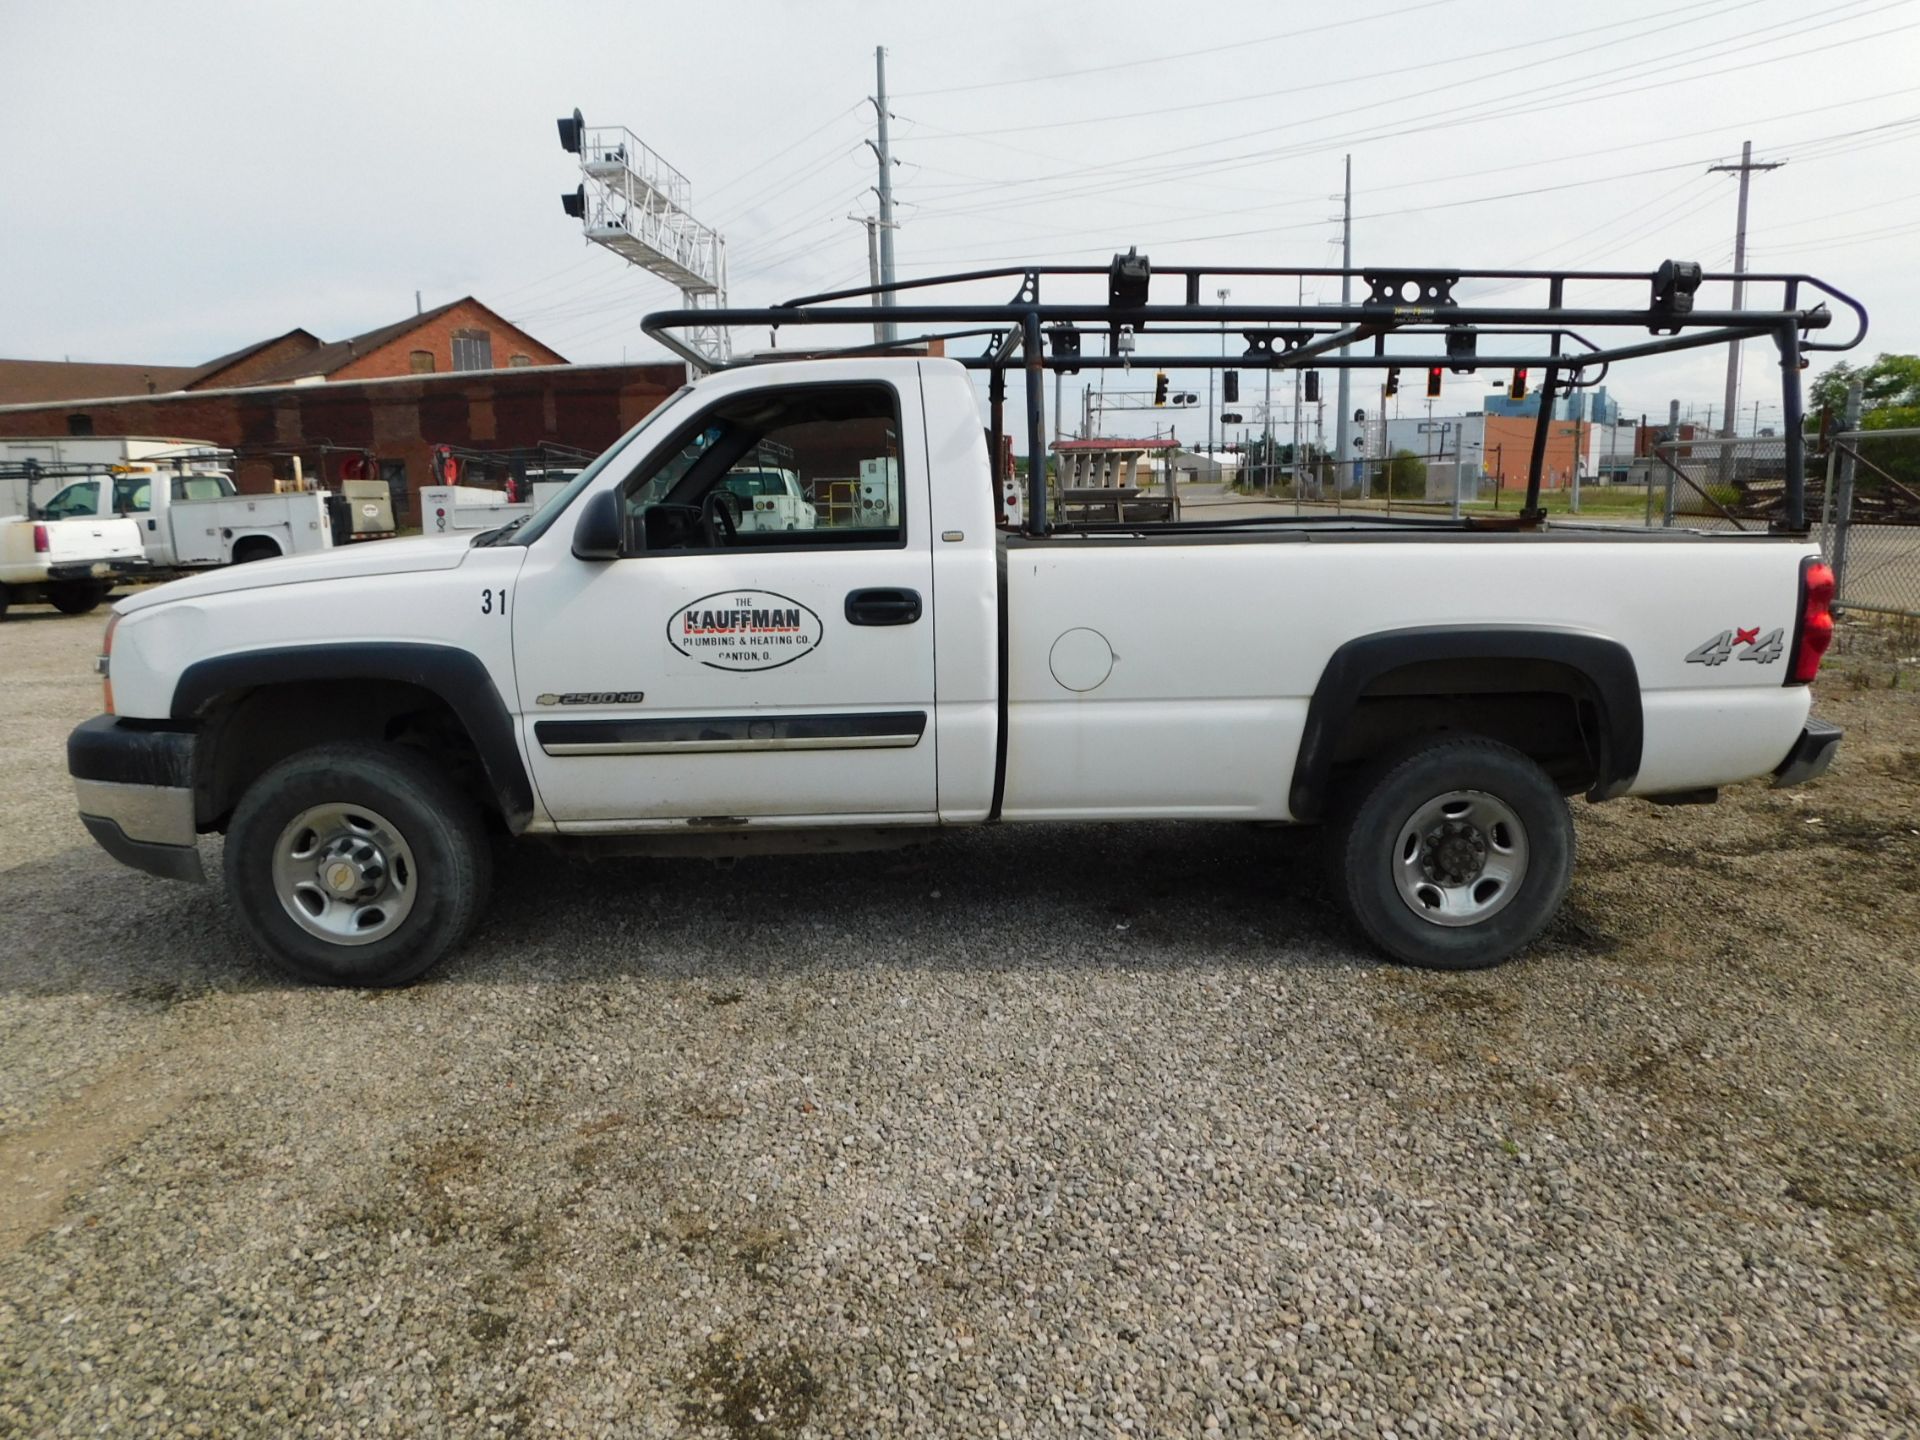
(1178, 683)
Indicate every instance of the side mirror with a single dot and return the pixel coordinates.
(597, 534)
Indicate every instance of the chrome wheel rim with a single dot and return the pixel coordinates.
(1460, 858)
(344, 873)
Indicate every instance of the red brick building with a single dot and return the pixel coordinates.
(372, 406)
(379, 428)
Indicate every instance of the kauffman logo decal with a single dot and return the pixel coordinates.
(744, 630)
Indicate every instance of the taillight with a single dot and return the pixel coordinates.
(1814, 630)
(41, 541)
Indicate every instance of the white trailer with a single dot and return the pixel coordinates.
(447, 509)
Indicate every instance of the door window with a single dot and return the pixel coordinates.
(807, 465)
(132, 495)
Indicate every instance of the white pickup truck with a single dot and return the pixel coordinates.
(71, 564)
(631, 666)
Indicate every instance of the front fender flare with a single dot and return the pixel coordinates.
(457, 676)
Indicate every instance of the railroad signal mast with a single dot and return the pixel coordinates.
(638, 206)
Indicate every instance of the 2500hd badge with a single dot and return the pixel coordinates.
(744, 630)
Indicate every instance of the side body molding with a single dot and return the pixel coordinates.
(456, 676)
(1605, 667)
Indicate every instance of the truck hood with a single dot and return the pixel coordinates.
(345, 562)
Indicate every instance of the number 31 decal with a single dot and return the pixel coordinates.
(493, 602)
(1717, 651)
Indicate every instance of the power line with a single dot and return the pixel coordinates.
(778, 154)
(1477, 199)
(1236, 45)
(1423, 124)
(1419, 66)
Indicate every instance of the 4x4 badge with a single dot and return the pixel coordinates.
(1717, 651)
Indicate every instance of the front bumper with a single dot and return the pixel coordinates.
(134, 783)
(1810, 756)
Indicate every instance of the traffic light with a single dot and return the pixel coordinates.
(1518, 389)
(1359, 417)
(1393, 381)
(1433, 382)
(1231, 417)
(1160, 388)
(1230, 386)
(1313, 387)
(575, 204)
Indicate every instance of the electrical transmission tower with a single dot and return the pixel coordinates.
(640, 207)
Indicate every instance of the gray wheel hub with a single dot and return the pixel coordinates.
(344, 873)
(1460, 858)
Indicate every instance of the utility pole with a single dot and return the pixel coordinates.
(884, 154)
(1266, 437)
(1745, 170)
(873, 269)
(1222, 293)
(1341, 433)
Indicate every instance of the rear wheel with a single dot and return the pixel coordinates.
(1454, 855)
(77, 597)
(6, 599)
(254, 547)
(357, 864)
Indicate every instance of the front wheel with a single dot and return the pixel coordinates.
(357, 864)
(1453, 856)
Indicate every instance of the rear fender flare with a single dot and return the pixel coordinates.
(1611, 681)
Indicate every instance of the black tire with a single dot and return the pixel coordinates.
(1373, 820)
(452, 862)
(77, 597)
(6, 599)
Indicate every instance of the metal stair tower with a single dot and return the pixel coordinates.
(640, 207)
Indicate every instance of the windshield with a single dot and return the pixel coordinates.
(531, 529)
(202, 487)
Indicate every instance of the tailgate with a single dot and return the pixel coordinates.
(69, 541)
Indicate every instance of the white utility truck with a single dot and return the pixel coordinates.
(770, 498)
(196, 521)
(632, 667)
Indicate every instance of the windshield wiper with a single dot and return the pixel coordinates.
(494, 537)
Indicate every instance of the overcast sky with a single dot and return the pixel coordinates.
(183, 179)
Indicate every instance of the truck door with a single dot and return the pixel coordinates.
(717, 671)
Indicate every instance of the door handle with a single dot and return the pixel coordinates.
(884, 606)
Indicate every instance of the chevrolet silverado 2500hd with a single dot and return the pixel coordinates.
(632, 665)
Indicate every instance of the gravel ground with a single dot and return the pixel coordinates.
(1111, 1130)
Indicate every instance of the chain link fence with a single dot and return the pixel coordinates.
(1869, 519)
(1862, 498)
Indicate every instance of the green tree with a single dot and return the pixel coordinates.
(1407, 476)
(1889, 400)
(1889, 392)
